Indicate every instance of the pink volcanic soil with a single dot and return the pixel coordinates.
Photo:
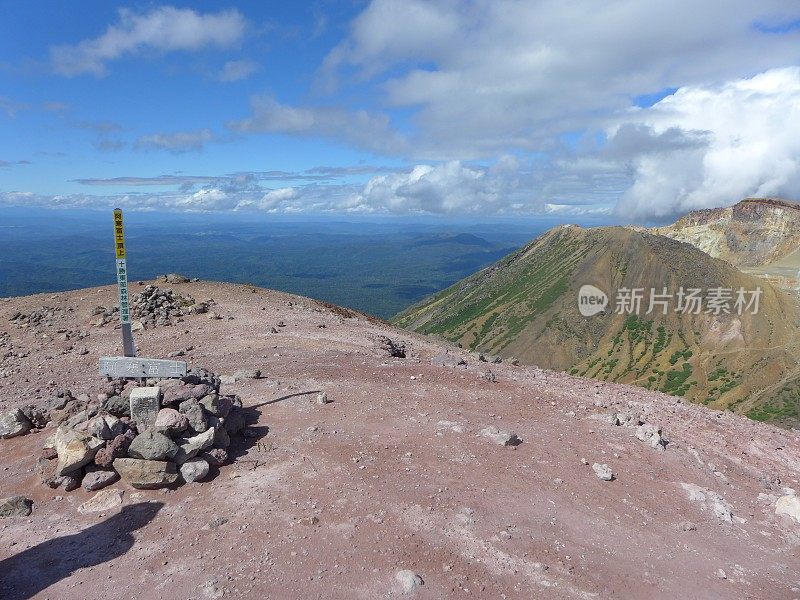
(391, 487)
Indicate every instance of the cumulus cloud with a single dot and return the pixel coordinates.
(358, 127)
(707, 146)
(490, 76)
(446, 188)
(163, 29)
(236, 70)
(177, 142)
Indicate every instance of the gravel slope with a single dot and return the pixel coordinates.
(331, 501)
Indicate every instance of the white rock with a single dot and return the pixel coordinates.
(498, 436)
(788, 505)
(408, 580)
(603, 471)
(102, 501)
(193, 470)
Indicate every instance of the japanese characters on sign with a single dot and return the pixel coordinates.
(128, 345)
(118, 366)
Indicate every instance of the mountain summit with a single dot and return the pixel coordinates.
(718, 352)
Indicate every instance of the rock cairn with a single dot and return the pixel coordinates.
(155, 307)
(154, 436)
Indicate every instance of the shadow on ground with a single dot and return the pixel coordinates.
(26, 574)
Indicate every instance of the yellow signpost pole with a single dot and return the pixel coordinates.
(128, 345)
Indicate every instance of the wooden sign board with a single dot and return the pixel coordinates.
(123, 366)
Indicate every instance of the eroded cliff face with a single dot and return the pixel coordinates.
(755, 233)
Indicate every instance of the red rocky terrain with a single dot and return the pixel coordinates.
(434, 475)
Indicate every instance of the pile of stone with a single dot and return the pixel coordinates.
(154, 306)
(41, 317)
(152, 436)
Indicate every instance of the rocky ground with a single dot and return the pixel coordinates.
(429, 473)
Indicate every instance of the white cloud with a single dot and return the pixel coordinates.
(449, 188)
(236, 70)
(748, 133)
(180, 141)
(164, 29)
(358, 127)
(492, 76)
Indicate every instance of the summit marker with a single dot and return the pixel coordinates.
(128, 345)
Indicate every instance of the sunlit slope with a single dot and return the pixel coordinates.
(526, 306)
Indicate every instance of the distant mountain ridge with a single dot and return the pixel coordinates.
(526, 306)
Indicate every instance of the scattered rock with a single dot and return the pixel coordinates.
(651, 434)
(146, 474)
(216, 405)
(39, 416)
(215, 456)
(788, 505)
(322, 398)
(247, 374)
(15, 506)
(448, 360)
(47, 473)
(116, 448)
(14, 423)
(603, 471)
(709, 499)
(117, 406)
(104, 501)
(498, 436)
(408, 580)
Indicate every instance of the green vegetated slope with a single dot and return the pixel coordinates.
(526, 306)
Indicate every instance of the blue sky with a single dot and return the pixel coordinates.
(390, 107)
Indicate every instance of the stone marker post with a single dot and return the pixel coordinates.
(145, 404)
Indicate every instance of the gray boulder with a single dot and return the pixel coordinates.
(14, 423)
(97, 478)
(194, 469)
(194, 414)
(246, 374)
(146, 474)
(216, 405)
(39, 416)
(117, 406)
(47, 473)
(15, 506)
(152, 445)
